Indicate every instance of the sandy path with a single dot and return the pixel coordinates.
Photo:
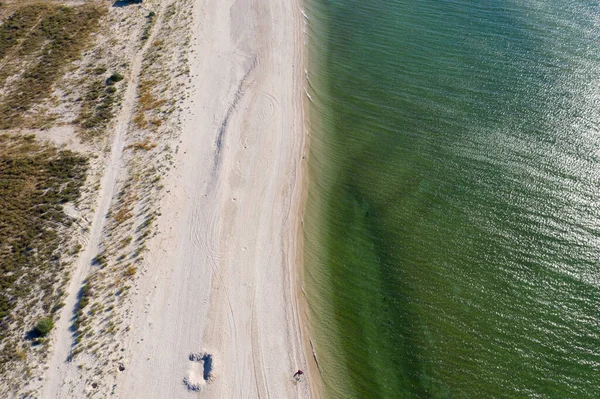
(220, 275)
(61, 376)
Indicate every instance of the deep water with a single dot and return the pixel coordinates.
(453, 221)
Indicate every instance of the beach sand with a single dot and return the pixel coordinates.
(216, 310)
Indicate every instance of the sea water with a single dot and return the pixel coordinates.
(452, 227)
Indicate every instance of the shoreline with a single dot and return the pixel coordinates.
(303, 311)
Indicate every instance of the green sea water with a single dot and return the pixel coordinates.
(452, 228)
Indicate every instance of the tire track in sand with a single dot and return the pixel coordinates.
(265, 107)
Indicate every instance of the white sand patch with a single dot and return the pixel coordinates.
(61, 136)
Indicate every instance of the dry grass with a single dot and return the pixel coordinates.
(35, 180)
(145, 145)
(130, 271)
(147, 101)
(123, 215)
(56, 37)
(18, 26)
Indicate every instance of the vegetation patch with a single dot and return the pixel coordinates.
(81, 320)
(35, 181)
(148, 28)
(148, 104)
(18, 39)
(97, 109)
(18, 26)
(145, 145)
(60, 37)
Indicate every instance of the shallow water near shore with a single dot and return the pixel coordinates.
(453, 222)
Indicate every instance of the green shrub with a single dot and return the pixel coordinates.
(43, 327)
(116, 77)
(76, 249)
(84, 296)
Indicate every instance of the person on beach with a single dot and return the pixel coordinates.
(298, 375)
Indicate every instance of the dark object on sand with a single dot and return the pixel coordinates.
(123, 3)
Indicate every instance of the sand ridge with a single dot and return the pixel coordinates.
(61, 375)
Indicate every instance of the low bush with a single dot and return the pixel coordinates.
(44, 326)
(116, 77)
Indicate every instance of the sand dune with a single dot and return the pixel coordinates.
(61, 374)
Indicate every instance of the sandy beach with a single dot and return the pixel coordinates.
(222, 271)
(216, 309)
